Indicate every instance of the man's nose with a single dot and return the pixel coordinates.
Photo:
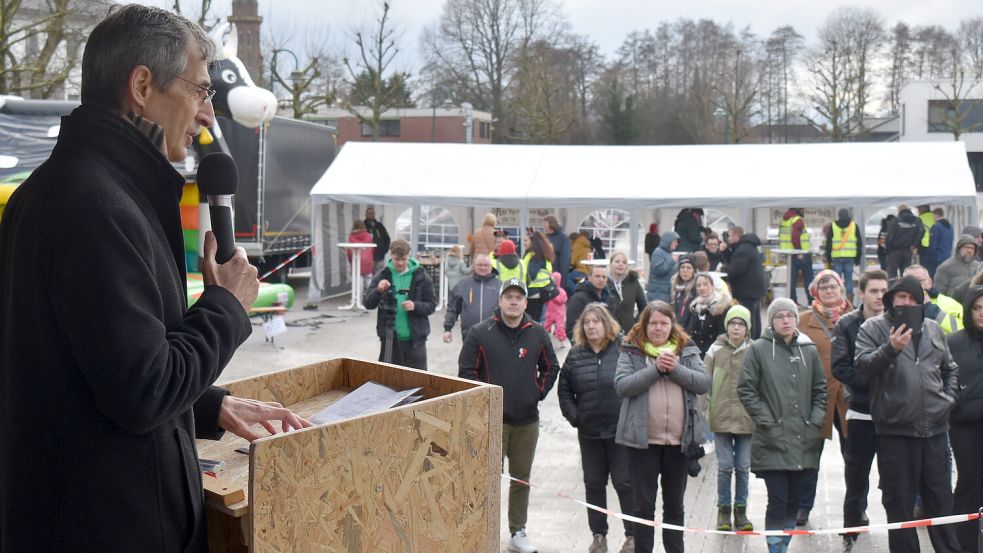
(206, 114)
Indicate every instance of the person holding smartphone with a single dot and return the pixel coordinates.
(913, 386)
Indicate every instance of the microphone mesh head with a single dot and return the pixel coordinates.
(217, 175)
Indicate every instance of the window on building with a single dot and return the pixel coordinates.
(436, 226)
(387, 127)
(612, 227)
(484, 129)
(717, 221)
(944, 115)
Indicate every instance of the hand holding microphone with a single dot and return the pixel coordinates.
(223, 263)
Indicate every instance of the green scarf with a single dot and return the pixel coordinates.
(654, 351)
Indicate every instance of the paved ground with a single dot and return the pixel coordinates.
(555, 525)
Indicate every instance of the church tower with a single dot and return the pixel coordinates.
(247, 22)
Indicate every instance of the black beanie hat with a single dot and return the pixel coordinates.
(908, 284)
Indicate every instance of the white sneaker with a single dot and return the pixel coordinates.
(520, 543)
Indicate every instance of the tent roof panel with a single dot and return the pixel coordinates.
(856, 174)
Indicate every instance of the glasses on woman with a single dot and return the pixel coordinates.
(829, 287)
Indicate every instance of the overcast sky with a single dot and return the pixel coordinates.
(606, 21)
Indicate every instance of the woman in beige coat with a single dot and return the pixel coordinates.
(483, 239)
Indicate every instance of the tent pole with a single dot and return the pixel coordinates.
(633, 233)
(523, 223)
(415, 230)
(862, 228)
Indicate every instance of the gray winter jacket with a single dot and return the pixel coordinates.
(661, 269)
(474, 299)
(954, 271)
(783, 388)
(912, 392)
(632, 380)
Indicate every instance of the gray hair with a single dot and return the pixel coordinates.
(135, 35)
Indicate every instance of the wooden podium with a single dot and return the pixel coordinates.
(424, 477)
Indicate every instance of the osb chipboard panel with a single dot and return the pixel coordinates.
(422, 478)
(293, 385)
(357, 372)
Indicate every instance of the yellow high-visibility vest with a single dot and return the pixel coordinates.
(928, 219)
(505, 273)
(543, 277)
(844, 241)
(951, 316)
(785, 235)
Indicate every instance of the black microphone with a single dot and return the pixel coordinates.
(218, 179)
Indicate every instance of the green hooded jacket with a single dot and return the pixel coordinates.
(783, 388)
(724, 361)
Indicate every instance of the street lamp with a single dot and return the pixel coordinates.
(720, 114)
(295, 75)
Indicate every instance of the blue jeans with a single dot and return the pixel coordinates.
(804, 266)
(844, 266)
(733, 452)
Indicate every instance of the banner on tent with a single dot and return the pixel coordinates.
(510, 216)
(815, 217)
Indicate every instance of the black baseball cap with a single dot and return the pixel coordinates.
(513, 283)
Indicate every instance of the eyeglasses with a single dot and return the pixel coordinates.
(829, 287)
(206, 93)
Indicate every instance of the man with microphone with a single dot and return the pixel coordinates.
(105, 373)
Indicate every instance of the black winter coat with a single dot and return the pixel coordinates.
(586, 390)
(103, 394)
(844, 349)
(625, 304)
(904, 232)
(584, 294)
(422, 296)
(521, 361)
(967, 351)
(746, 270)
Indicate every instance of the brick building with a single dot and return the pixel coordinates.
(443, 124)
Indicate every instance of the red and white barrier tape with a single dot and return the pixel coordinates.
(937, 521)
(289, 259)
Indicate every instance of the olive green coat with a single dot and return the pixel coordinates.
(724, 362)
(783, 388)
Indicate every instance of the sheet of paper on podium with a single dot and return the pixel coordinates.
(367, 398)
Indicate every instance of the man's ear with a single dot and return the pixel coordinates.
(139, 88)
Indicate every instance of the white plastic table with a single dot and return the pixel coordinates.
(356, 263)
(444, 295)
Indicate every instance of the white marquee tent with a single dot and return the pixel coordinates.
(628, 177)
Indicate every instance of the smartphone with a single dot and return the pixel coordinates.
(909, 315)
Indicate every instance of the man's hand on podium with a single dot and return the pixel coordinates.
(238, 416)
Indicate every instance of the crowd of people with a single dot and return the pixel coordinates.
(656, 372)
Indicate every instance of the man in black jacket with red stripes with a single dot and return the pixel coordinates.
(512, 351)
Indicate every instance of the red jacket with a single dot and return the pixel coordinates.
(365, 253)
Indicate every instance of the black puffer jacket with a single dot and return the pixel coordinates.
(844, 350)
(746, 271)
(420, 293)
(967, 351)
(586, 390)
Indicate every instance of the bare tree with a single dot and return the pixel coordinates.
(782, 48)
(41, 43)
(832, 88)
(474, 44)
(377, 48)
(739, 88)
(899, 53)
(315, 77)
(930, 54)
(955, 113)
(970, 37)
(202, 13)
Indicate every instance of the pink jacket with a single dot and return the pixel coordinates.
(556, 311)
